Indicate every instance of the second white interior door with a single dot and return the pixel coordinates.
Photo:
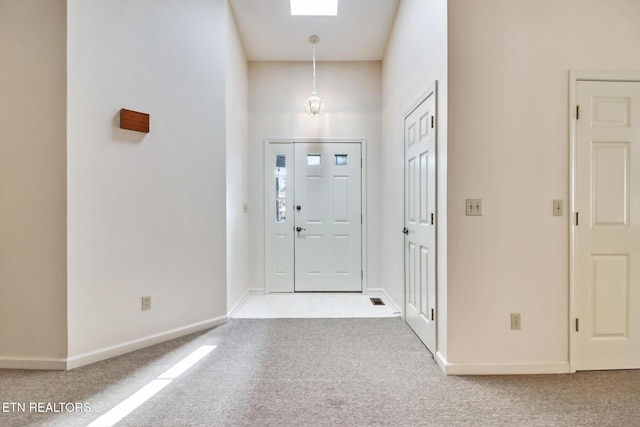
(607, 226)
(420, 216)
(328, 217)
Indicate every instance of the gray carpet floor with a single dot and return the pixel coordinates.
(319, 372)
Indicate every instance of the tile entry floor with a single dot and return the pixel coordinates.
(312, 305)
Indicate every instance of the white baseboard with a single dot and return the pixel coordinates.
(108, 352)
(382, 293)
(127, 347)
(238, 305)
(441, 361)
(33, 364)
(523, 368)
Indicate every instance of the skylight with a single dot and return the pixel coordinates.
(314, 7)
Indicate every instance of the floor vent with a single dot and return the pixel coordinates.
(376, 301)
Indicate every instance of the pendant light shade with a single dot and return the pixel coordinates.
(314, 104)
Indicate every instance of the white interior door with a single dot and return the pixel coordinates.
(328, 217)
(607, 226)
(420, 230)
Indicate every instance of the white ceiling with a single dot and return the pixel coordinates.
(359, 32)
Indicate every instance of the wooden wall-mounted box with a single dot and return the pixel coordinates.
(134, 120)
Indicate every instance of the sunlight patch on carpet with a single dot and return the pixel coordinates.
(134, 401)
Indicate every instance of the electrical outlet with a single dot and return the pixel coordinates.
(474, 207)
(146, 303)
(516, 324)
(557, 208)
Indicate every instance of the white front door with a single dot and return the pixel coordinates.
(607, 226)
(420, 230)
(328, 217)
(318, 188)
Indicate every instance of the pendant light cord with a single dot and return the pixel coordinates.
(314, 67)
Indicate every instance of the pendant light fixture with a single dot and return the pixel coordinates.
(314, 104)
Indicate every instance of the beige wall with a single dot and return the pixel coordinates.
(149, 215)
(352, 92)
(508, 144)
(415, 58)
(33, 183)
(237, 126)
(146, 212)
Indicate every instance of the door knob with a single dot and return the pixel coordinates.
(299, 229)
(405, 230)
(298, 207)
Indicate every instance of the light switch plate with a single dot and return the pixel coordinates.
(558, 209)
(474, 207)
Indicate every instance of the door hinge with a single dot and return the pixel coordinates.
(577, 325)
(432, 218)
(361, 219)
(362, 274)
(577, 218)
(433, 314)
(577, 112)
(433, 122)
